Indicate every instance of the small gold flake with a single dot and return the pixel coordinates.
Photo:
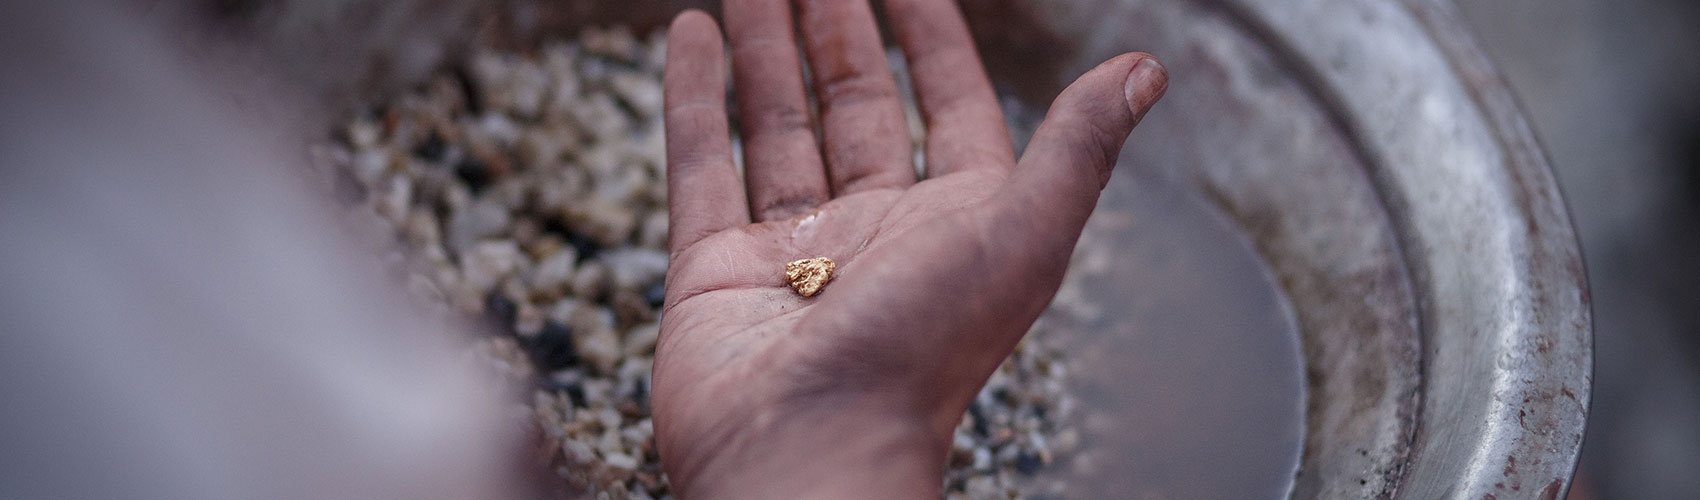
(807, 276)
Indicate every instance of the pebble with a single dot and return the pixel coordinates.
(553, 274)
(528, 319)
(525, 231)
(421, 229)
(584, 317)
(656, 294)
(640, 340)
(393, 199)
(600, 348)
(630, 308)
(487, 264)
(640, 91)
(538, 149)
(590, 281)
(624, 185)
(607, 222)
(635, 268)
(653, 234)
(621, 462)
(363, 134)
(482, 220)
(369, 165)
(613, 41)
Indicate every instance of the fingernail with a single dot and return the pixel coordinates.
(1145, 84)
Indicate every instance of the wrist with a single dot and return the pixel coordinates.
(826, 451)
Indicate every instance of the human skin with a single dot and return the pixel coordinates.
(854, 393)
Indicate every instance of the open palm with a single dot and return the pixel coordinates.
(936, 279)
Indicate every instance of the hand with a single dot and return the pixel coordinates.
(854, 393)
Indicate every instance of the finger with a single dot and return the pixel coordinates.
(1072, 153)
(965, 127)
(704, 195)
(862, 126)
(782, 163)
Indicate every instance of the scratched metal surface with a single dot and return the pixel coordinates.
(1503, 301)
(1369, 151)
(1388, 178)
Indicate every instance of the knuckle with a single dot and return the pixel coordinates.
(688, 163)
(778, 117)
(855, 87)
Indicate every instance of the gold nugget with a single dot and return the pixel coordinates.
(807, 276)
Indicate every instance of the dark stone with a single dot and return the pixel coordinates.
(656, 294)
(958, 484)
(475, 174)
(982, 428)
(433, 149)
(1028, 463)
(652, 454)
(640, 395)
(469, 91)
(587, 247)
(961, 458)
(630, 110)
(552, 348)
(575, 393)
(500, 309)
(377, 113)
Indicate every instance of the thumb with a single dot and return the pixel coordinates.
(1072, 153)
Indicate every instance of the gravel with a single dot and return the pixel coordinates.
(533, 194)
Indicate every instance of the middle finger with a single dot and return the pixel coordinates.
(782, 163)
(864, 133)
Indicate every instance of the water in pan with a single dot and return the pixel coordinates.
(1186, 355)
(1181, 349)
(1190, 375)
